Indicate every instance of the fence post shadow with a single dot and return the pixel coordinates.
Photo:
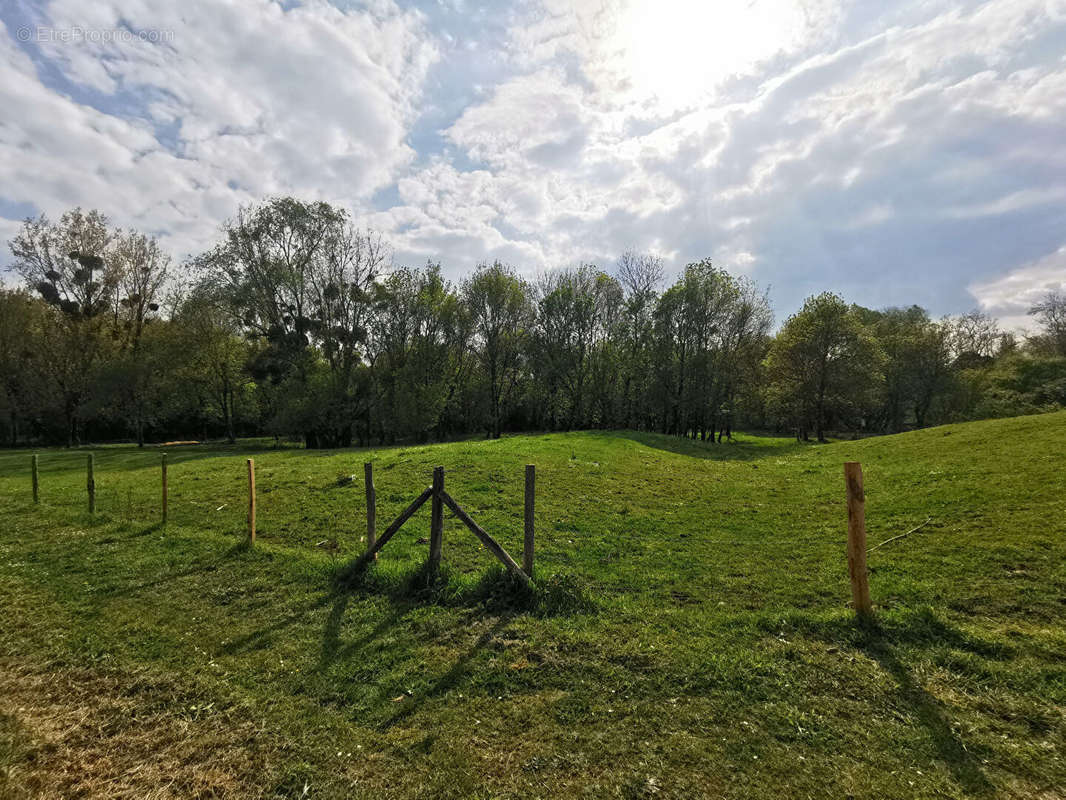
(964, 766)
(333, 649)
(450, 678)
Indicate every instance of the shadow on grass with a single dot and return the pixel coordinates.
(915, 628)
(496, 591)
(127, 456)
(208, 565)
(747, 448)
(963, 765)
(450, 679)
(145, 531)
(333, 648)
(496, 597)
(882, 642)
(263, 637)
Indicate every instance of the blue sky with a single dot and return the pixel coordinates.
(894, 152)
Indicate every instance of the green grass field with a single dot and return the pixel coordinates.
(690, 635)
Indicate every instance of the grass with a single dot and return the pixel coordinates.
(689, 634)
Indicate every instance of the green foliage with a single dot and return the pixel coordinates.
(501, 316)
(102, 287)
(1019, 382)
(823, 366)
(706, 327)
(297, 324)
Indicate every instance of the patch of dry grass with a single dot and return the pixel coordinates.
(80, 733)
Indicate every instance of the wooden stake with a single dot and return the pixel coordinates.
(90, 484)
(251, 500)
(371, 506)
(36, 488)
(527, 550)
(436, 520)
(164, 468)
(860, 583)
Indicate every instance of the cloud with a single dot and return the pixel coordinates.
(1010, 296)
(898, 153)
(240, 101)
(896, 165)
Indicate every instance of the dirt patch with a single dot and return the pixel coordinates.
(75, 733)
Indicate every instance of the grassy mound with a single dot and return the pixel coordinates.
(688, 633)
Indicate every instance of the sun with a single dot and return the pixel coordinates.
(677, 52)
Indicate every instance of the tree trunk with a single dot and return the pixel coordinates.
(819, 419)
(227, 414)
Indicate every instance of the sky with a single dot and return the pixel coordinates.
(895, 153)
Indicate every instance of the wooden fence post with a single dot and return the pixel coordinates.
(90, 484)
(860, 583)
(527, 550)
(164, 468)
(436, 521)
(251, 500)
(36, 488)
(371, 507)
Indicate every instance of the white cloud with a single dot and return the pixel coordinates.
(1011, 296)
(827, 173)
(311, 101)
(898, 153)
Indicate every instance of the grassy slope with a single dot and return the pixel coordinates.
(720, 658)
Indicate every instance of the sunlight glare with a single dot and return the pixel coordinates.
(676, 52)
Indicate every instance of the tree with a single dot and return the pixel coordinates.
(135, 385)
(703, 325)
(64, 263)
(501, 314)
(823, 365)
(140, 270)
(296, 323)
(139, 370)
(974, 339)
(930, 367)
(419, 338)
(575, 311)
(640, 275)
(104, 284)
(917, 364)
(21, 328)
(1051, 313)
(217, 357)
(300, 276)
(743, 344)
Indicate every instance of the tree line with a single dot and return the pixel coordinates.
(297, 324)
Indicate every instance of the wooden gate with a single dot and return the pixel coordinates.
(441, 498)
